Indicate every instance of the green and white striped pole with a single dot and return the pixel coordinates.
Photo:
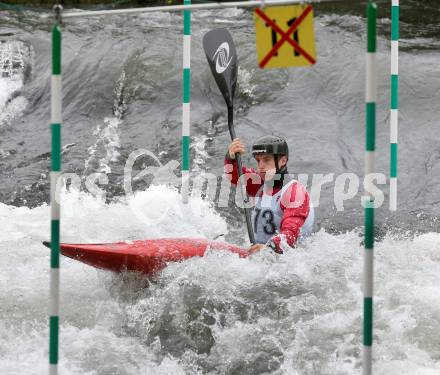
(394, 115)
(55, 196)
(368, 199)
(186, 109)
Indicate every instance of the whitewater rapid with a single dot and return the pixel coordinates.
(299, 313)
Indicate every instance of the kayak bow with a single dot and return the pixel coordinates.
(146, 256)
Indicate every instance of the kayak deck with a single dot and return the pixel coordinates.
(146, 256)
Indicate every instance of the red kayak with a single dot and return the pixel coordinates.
(147, 256)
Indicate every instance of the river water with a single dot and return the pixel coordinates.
(299, 313)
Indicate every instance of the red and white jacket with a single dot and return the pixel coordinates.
(294, 215)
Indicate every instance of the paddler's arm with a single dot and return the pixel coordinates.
(295, 204)
(253, 180)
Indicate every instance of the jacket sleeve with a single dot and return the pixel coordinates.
(295, 204)
(253, 180)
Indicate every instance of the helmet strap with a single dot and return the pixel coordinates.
(279, 182)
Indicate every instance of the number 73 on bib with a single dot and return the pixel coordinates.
(285, 36)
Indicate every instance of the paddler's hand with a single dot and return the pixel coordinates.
(255, 248)
(236, 146)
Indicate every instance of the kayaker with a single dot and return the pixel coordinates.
(282, 211)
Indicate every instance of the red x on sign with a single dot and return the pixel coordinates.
(285, 36)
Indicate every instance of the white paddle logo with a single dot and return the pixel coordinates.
(222, 59)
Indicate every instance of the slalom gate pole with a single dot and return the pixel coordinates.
(394, 114)
(186, 109)
(56, 120)
(368, 201)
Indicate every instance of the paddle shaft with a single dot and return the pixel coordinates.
(247, 212)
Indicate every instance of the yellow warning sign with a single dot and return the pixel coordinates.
(285, 36)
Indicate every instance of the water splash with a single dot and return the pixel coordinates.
(15, 65)
(198, 145)
(107, 137)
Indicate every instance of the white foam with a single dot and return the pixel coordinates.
(245, 82)
(198, 144)
(105, 150)
(14, 56)
(298, 312)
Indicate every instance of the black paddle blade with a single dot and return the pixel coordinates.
(46, 243)
(222, 58)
